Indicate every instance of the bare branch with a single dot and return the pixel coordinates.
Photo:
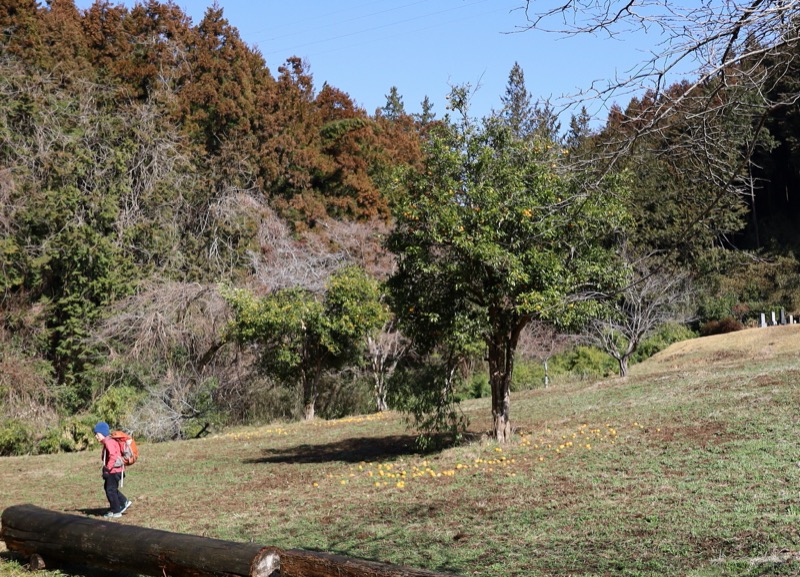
(385, 350)
(649, 301)
(726, 43)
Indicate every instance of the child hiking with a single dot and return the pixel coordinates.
(113, 469)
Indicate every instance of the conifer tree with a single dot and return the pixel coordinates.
(517, 109)
(394, 108)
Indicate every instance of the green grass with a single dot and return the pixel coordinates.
(692, 469)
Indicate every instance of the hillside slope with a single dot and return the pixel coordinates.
(688, 467)
(757, 344)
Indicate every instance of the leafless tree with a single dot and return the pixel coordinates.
(706, 40)
(283, 260)
(540, 341)
(649, 300)
(385, 350)
(362, 244)
(24, 392)
(174, 333)
(731, 53)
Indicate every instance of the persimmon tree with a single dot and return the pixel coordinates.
(299, 335)
(492, 236)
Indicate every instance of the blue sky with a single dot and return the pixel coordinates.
(423, 47)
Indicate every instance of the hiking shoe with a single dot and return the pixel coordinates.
(125, 508)
(112, 515)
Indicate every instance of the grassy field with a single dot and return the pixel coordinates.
(688, 467)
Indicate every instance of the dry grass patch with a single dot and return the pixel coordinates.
(756, 344)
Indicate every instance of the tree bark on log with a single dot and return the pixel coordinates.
(63, 538)
(31, 530)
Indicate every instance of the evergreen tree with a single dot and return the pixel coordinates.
(426, 115)
(348, 142)
(219, 102)
(517, 110)
(394, 108)
(546, 125)
(579, 131)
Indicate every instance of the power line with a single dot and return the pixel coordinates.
(327, 15)
(365, 31)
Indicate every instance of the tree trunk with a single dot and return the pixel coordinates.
(59, 537)
(502, 344)
(623, 359)
(308, 411)
(380, 396)
(623, 366)
(309, 397)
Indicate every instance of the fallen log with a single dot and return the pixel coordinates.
(49, 536)
(60, 537)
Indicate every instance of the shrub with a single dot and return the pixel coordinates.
(584, 361)
(342, 395)
(15, 438)
(726, 325)
(475, 387)
(418, 391)
(527, 375)
(265, 401)
(714, 308)
(116, 404)
(666, 335)
(742, 285)
(72, 434)
(55, 441)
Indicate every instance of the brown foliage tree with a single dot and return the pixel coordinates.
(348, 140)
(158, 37)
(20, 28)
(106, 37)
(289, 154)
(62, 32)
(219, 98)
(171, 334)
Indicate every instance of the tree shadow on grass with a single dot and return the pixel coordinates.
(371, 545)
(351, 450)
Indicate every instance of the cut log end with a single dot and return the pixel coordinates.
(267, 563)
(36, 563)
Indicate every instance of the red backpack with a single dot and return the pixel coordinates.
(127, 447)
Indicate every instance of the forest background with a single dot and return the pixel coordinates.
(191, 239)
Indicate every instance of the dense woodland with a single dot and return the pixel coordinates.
(192, 237)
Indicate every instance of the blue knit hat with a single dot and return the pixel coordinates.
(102, 428)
